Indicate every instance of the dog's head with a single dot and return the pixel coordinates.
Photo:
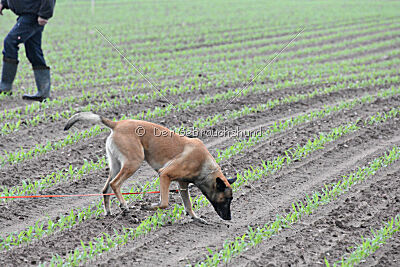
(218, 191)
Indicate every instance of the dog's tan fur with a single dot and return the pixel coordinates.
(174, 157)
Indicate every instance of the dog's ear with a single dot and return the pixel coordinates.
(220, 184)
(232, 180)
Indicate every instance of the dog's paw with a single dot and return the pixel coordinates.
(134, 220)
(155, 206)
(200, 220)
(125, 212)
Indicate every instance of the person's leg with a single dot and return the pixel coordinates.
(42, 79)
(25, 28)
(33, 49)
(12, 40)
(10, 59)
(8, 75)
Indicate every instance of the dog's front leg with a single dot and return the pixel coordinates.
(165, 181)
(184, 192)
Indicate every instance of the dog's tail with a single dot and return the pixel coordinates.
(89, 117)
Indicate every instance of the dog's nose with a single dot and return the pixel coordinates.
(227, 217)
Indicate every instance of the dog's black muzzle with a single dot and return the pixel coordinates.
(225, 215)
(223, 210)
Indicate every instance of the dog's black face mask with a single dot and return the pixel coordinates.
(221, 198)
(223, 209)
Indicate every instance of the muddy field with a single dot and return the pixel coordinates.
(329, 66)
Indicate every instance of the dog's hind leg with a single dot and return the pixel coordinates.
(115, 167)
(130, 154)
(127, 170)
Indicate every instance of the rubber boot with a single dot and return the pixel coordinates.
(42, 78)
(8, 75)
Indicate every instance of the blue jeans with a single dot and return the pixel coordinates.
(27, 31)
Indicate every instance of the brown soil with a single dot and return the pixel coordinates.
(327, 233)
(19, 214)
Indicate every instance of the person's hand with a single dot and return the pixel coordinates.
(42, 21)
(1, 9)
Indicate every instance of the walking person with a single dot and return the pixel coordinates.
(33, 15)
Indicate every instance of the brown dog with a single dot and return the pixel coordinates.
(173, 156)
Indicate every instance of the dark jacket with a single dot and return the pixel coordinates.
(41, 8)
